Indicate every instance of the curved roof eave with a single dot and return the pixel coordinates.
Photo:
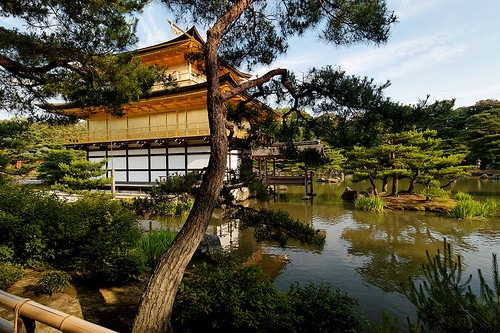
(191, 34)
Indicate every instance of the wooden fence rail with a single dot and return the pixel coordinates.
(28, 312)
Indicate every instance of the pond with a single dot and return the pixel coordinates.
(368, 255)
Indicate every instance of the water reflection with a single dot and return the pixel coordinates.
(367, 255)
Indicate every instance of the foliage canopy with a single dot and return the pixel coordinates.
(74, 51)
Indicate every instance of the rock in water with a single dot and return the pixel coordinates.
(349, 194)
(209, 244)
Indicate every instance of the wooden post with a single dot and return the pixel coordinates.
(311, 180)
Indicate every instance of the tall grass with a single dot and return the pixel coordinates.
(370, 203)
(490, 207)
(468, 208)
(462, 196)
(154, 244)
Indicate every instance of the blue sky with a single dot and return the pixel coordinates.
(442, 48)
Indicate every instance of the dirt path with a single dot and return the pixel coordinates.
(113, 307)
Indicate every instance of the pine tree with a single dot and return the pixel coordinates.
(445, 301)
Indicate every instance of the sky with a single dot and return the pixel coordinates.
(448, 49)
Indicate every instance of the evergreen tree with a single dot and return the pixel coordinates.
(483, 133)
(82, 174)
(50, 169)
(365, 163)
(445, 301)
(244, 33)
(76, 51)
(413, 154)
(15, 158)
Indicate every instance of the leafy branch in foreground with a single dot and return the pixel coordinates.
(445, 303)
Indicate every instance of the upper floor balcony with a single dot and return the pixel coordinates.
(141, 133)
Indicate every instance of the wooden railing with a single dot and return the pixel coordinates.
(140, 133)
(27, 312)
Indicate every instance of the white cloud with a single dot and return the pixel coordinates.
(153, 27)
(398, 59)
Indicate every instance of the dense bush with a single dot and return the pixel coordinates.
(51, 282)
(256, 187)
(319, 308)
(278, 226)
(178, 208)
(228, 297)
(31, 223)
(170, 197)
(434, 190)
(9, 274)
(104, 250)
(95, 236)
(6, 254)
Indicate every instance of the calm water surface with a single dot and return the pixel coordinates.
(368, 255)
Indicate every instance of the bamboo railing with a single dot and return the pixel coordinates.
(28, 312)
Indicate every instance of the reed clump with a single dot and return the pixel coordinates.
(468, 208)
(370, 203)
(154, 244)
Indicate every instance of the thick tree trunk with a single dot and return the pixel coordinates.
(413, 181)
(385, 182)
(374, 186)
(395, 180)
(156, 303)
(395, 184)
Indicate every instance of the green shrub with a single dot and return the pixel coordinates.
(434, 190)
(9, 274)
(278, 226)
(154, 244)
(229, 297)
(370, 203)
(6, 254)
(256, 187)
(95, 235)
(53, 282)
(30, 223)
(172, 208)
(319, 308)
(105, 251)
(147, 207)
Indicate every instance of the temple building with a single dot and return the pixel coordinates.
(164, 134)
